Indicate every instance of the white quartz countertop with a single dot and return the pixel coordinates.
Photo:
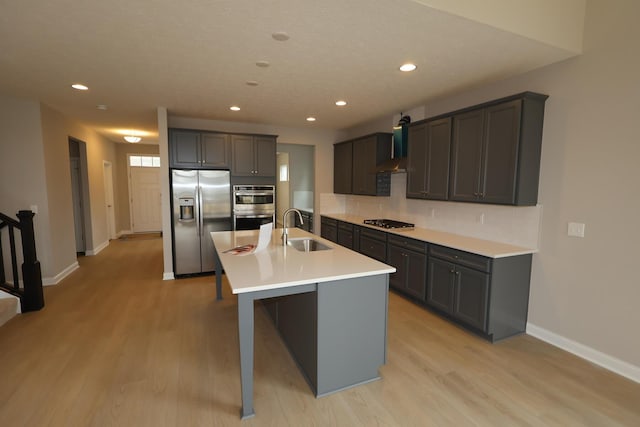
(280, 266)
(474, 245)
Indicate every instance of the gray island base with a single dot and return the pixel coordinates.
(333, 320)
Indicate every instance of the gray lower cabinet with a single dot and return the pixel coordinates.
(346, 234)
(253, 155)
(428, 147)
(373, 243)
(337, 334)
(409, 257)
(197, 149)
(329, 229)
(489, 295)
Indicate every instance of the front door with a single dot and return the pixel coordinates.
(145, 199)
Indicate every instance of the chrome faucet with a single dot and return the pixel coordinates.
(285, 233)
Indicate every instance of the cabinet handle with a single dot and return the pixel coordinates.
(451, 271)
(457, 273)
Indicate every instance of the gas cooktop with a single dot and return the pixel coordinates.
(389, 223)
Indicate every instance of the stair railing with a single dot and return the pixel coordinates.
(31, 294)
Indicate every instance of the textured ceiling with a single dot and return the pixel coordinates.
(194, 58)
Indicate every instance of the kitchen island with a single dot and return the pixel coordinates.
(330, 307)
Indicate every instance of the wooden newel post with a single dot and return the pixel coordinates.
(31, 274)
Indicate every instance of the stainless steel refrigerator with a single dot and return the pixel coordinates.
(201, 204)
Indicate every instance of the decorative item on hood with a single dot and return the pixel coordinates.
(398, 160)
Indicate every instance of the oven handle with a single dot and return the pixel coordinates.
(251, 193)
(253, 216)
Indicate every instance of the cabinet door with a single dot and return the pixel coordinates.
(396, 257)
(499, 165)
(343, 168)
(440, 284)
(215, 150)
(265, 156)
(243, 163)
(466, 155)
(416, 161)
(185, 149)
(329, 229)
(437, 159)
(364, 165)
(416, 280)
(471, 296)
(345, 235)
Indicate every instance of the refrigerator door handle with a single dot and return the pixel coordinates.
(201, 215)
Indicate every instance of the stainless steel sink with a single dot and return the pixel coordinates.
(307, 244)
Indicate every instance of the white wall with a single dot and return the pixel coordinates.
(585, 291)
(22, 171)
(34, 170)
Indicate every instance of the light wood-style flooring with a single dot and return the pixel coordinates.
(117, 346)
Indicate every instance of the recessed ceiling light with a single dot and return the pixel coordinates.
(79, 86)
(311, 119)
(280, 36)
(101, 107)
(341, 103)
(252, 83)
(133, 139)
(408, 67)
(262, 64)
(234, 108)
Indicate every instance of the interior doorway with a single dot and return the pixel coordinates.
(80, 195)
(295, 180)
(107, 168)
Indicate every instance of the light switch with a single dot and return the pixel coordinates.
(576, 229)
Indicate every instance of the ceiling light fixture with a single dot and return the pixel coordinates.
(252, 83)
(262, 64)
(234, 108)
(341, 103)
(408, 67)
(280, 36)
(101, 107)
(132, 139)
(78, 86)
(311, 119)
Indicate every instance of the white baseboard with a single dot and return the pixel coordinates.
(97, 249)
(48, 281)
(122, 233)
(168, 275)
(606, 361)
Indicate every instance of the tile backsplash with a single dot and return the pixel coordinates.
(508, 224)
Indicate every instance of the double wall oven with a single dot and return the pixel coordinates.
(253, 205)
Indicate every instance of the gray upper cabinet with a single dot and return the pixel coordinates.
(253, 155)
(343, 168)
(215, 149)
(354, 165)
(367, 153)
(199, 150)
(428, 150)
(495, 153)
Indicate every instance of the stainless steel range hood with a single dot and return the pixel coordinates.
(398, 161)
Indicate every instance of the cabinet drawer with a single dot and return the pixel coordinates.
(405, 242)
(373, 234)
(467, 259)
(346, 226)
(372, 247)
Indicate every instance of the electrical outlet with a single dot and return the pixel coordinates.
(575, 229)
(481, 218)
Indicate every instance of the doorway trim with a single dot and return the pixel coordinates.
(109, 199)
